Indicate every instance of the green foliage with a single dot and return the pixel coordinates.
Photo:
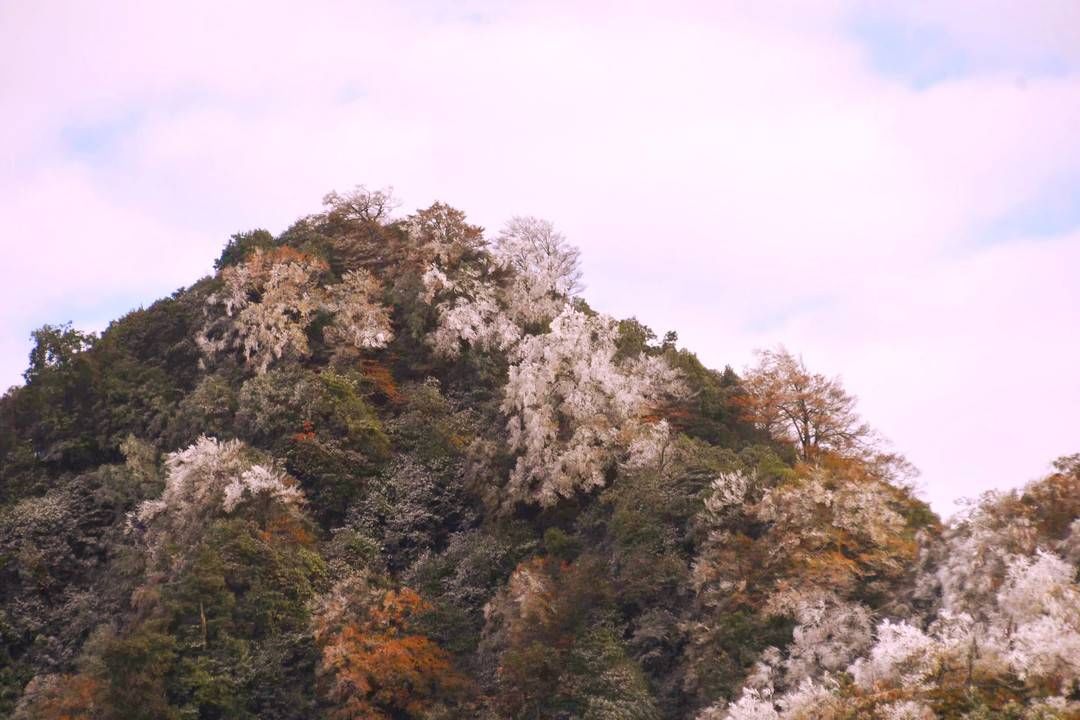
(208, 409)
(55, 349)
(229, 636)
(428, 425)
(22, 473)
(634, 339)
(333, 477)
(345, 414)
(276, 406)
(134, 670)
(53, 409)
(603, 682)
(712, 412)
(84, 396)
(461, 579)
(560, 545)
(63, 569)
(241, 245)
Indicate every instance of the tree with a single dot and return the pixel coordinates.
(573, 410)
(1003, 642)
(471, 309)
(546, 269)
(205, 480)
(59, 697)
(55, 346)
(270, 299)
(440, 236)
(799, 562)
(460, 283)
(490, 300)
(360, 321)
(268, 302)
(811, 411)
(241, 245)
(361, 204)
(375, 664)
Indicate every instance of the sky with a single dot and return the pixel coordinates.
(890, 189)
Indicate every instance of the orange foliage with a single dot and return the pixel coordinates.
(288, 527)
(259, 264)
(1053, 503)
(307, 434)
(380, 669)
(382, 378)
(64, 697)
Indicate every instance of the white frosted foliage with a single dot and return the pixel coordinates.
(1041, 603)
(470, 312)
(266, 304)
(903, 654)
(203, 480)
(907, 710)
(360, 321)
(260, 480)
(545, 268)
(573, 409)
(489, 301)
(829, 635)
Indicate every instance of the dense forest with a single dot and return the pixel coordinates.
(389, 467)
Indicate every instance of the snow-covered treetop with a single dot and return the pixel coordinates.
(204, 480)
(546, 269)
(573, 408)
(489, 303)
(266, 304)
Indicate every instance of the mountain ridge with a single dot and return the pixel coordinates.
(386, 467)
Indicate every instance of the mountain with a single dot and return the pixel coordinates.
(390, 467)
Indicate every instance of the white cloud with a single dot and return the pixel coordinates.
(741, 175)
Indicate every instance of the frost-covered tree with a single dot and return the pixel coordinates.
(1041, 601)
(360, 321)
(545, 269)
(573, 410)
(808, 700)
(831, 531)
(205, 480)
(1005, 641)
(819, 551)
(902, 653)
(975, 555)
(829, 635)
(268, 302)
(489, 300)
(471, 312)
(1032, 633)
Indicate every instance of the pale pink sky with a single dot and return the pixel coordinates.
(891, 189)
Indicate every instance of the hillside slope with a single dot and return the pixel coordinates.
(382, 467)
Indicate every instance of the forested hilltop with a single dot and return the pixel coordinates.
(386, 467)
